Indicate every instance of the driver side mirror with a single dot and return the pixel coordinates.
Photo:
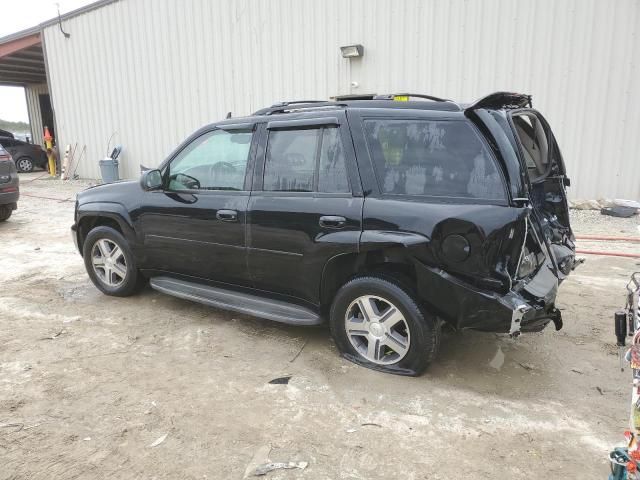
(151, 180)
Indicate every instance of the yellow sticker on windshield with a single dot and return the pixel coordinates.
(401, 98)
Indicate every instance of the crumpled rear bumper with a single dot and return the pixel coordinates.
(10, 198)
(528, 307)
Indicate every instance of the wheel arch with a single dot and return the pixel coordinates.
(104, 214)
(383, 255)
(398, 256)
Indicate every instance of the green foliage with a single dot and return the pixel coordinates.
(14, 126)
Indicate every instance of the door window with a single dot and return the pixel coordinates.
(306, 160)
(216, 160)
(432, 158)
(290, 165)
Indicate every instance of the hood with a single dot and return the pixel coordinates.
(109, 192)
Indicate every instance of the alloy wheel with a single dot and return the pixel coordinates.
(25, 165)
(109, 262)
(377, 329)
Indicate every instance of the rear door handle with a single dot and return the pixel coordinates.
(332, 221)
(227, 215)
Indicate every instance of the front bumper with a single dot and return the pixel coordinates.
(527, 307)
(74, 236)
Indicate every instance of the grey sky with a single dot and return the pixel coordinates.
(17, 16)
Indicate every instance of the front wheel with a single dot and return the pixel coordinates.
(377, 323)
(110, 263)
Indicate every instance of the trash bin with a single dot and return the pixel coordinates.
(109, 170)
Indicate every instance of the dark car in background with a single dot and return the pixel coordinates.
(27, 156)
(9, 185)
(386, 216)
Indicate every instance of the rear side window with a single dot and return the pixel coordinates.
(432, 158)
(305, 160)
(332, 171)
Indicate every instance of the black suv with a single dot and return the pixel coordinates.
(386, 215)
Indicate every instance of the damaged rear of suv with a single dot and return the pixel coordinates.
(385, 215)
(538, 251)
(479, 199)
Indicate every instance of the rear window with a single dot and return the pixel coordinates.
(535, 146)
(432, 158)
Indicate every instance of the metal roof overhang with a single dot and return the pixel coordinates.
(21, 53)
(22, 60)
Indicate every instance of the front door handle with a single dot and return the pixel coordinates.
(332, 221)
(227, 215)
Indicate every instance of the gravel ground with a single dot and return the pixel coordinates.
(156, 387)
(592, 222)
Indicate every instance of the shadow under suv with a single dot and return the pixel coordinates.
(387, 216)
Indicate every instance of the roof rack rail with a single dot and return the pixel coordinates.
(354, 96)
(292, 102)
(285, 107)
(392, 96)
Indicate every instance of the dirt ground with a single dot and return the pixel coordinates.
(89, 383)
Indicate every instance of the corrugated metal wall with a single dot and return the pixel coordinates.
(32, 93)
(155, 70)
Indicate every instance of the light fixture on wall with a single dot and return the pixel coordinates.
(352, 51)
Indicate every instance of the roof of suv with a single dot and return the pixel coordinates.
(497, 100)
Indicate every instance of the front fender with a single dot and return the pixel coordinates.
(111, 210)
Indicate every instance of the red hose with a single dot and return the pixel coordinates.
(614, 239)
(609, 254)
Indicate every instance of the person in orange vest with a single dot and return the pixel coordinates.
(48, 143)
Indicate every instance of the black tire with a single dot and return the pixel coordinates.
(5, 212)
(24, 164)
(423, 328)
(133, 279)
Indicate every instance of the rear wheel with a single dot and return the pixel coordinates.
(5, 212)
(24, 164)
(376, 322)
(110, 263)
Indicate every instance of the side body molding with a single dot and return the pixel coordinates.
(375, 239)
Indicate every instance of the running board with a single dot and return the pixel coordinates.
(237, 301)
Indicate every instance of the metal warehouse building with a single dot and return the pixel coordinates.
(155, 70)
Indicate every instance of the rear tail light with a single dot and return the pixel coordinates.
(529, 263)
(8, 189)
